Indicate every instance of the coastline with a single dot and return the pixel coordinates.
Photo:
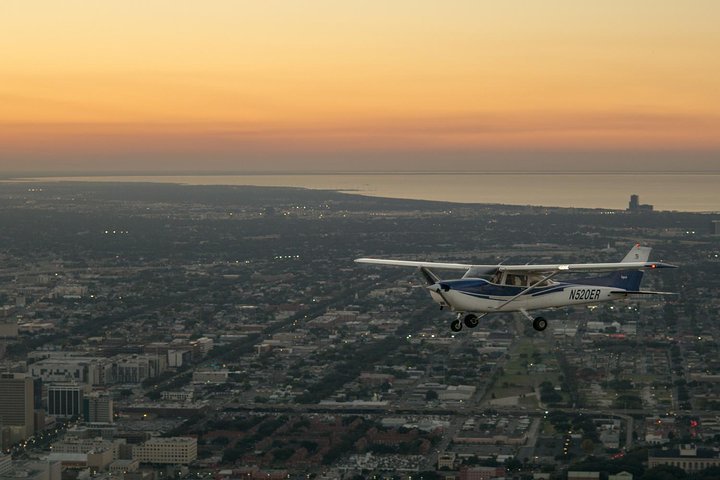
(686, 192)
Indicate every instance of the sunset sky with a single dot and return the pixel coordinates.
(265, 85)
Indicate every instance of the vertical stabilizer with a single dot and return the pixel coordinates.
(630, 279)
(638, 254)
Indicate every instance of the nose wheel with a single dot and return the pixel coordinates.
(456, 325)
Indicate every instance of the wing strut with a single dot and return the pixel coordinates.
(545, 278)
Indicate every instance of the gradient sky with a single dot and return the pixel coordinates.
(183, 85)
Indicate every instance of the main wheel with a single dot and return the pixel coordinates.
(539, 324)
(456, 325)
(471, 320)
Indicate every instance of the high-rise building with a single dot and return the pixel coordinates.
(634, 202)
(16, 407)
(65, 400)
(636, 206)
(98, 408)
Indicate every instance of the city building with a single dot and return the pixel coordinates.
(98, 408)
(28, 469)
(481, 473)
(210, 376)
(89, 370)
(446, 461)
(65, 400)
(16, 408)
(95, 453)
(136, 368)
(583, 475)
(5, 463)
(178, 358)
(171, 451)
(202, 345)
(688, 457)
(716, 227)
(121, 467)
(178, 396)
(636, 206)
(8, 327)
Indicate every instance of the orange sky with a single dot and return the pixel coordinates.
(352, 85)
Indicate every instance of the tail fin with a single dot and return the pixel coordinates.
(637, 254)
(628, 279)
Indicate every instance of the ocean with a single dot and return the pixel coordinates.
(691, 192)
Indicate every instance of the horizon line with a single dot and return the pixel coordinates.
(22, 175)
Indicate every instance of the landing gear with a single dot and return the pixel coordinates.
(539, 324)
(471, 320)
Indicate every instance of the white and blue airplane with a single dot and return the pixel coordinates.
(520, 288)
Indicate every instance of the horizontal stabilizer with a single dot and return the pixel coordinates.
(643, 292)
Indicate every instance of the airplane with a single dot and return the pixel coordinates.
(520, 288)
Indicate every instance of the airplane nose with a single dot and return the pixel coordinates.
(439, 287)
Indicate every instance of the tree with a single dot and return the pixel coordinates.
(588, 446)
(431, 395)
(231, 455)
(428, 475)
(665, 472)
(220, 441)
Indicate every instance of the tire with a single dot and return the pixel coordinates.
(539, 324)
(471, 320)
(456, 325)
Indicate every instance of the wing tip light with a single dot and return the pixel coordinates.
(652, 265)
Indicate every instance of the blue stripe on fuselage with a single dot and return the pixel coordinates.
(481, 288)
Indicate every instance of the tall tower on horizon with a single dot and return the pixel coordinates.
(635, 205)
(634, 202)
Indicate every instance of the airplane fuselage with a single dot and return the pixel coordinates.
(480, 296)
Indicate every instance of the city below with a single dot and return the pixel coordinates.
(152, 331)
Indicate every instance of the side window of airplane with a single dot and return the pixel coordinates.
(516, 280)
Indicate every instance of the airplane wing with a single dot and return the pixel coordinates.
(583, 267)
(406, 263)
(548, 268)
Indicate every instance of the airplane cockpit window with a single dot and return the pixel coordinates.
(516, 280)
